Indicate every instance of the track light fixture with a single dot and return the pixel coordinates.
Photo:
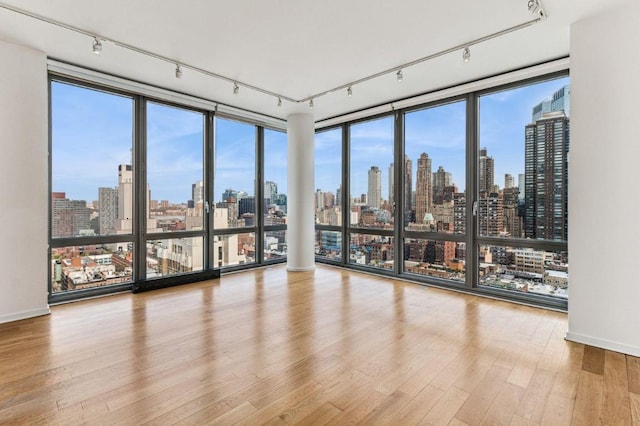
(535, 7)
(466, 54)
(97, 46)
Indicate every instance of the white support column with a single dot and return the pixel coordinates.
(300, 187)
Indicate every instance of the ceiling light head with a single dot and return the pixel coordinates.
(310, 103)
(349, 91)
(236, 88)
(466, 54)
(178, 71)
(399, 76)
(279, 101)
(535, 8)
(97, 46)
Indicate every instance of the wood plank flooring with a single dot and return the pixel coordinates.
(324, 347)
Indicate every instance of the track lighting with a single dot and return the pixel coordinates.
(279, 101)
(178, 71)
(311, 104)
(236, 88)
(97, 46)
(466, 54)
(399, 76)
(535, 8)
(349, 91)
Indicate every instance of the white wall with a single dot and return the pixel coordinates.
(23, 177)
(604, 176)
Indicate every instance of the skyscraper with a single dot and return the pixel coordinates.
(392, 188)
(558, 102)
(441, 181)
(546, 177)
(197, 192)
(125, 199)
(485, 166)
(107, 210)
(408, 185)
(374, 192)
(424, 188)
(508, 181)
(270, 191)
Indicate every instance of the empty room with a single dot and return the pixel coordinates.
(296, 212)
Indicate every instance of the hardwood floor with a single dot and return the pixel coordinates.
(323, 347)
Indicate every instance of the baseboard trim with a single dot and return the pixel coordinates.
(307, 269)
(24, 315)
(603, 343)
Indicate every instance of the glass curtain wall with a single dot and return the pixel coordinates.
(329, 194)
(468, 191)
(433, 191)
(174, 194)
(91, 215)
(371, 194)
(522, 188)
(141, 196)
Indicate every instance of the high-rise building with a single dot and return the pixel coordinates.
(508, 181)
(107, 210)
(490, 215)
(485, 168)
(521, 187)
(70, 218)
(392, 187)
(270, 191)
(546, 177)
(424, 188)
(374, 192)
(558, 102)
(408, 185)
(441, 181)
(124, 224)
(197, 192)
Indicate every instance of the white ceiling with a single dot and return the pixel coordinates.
(298, 47)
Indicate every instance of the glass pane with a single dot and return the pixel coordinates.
(328, 177)
(234, 249)
(525, 270)
(441, 259)
(371, 250)
(275, 178)
(175, 189)
(235, 173)
(80, 267)
(371, 158)
(91, 172)
(329, 245)
(524, 138)
(174, 256)
(275, 245)
(434, 169)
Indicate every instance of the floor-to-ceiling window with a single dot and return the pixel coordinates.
(433, 187)
(522, 160)
(174, 192)
(235, 213)
(147, 193)
(329, 194)
(370, 194)
(91, 233)
(274, 195)
(468, 192)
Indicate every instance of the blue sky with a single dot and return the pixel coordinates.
(440, 132)
(92, 135)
